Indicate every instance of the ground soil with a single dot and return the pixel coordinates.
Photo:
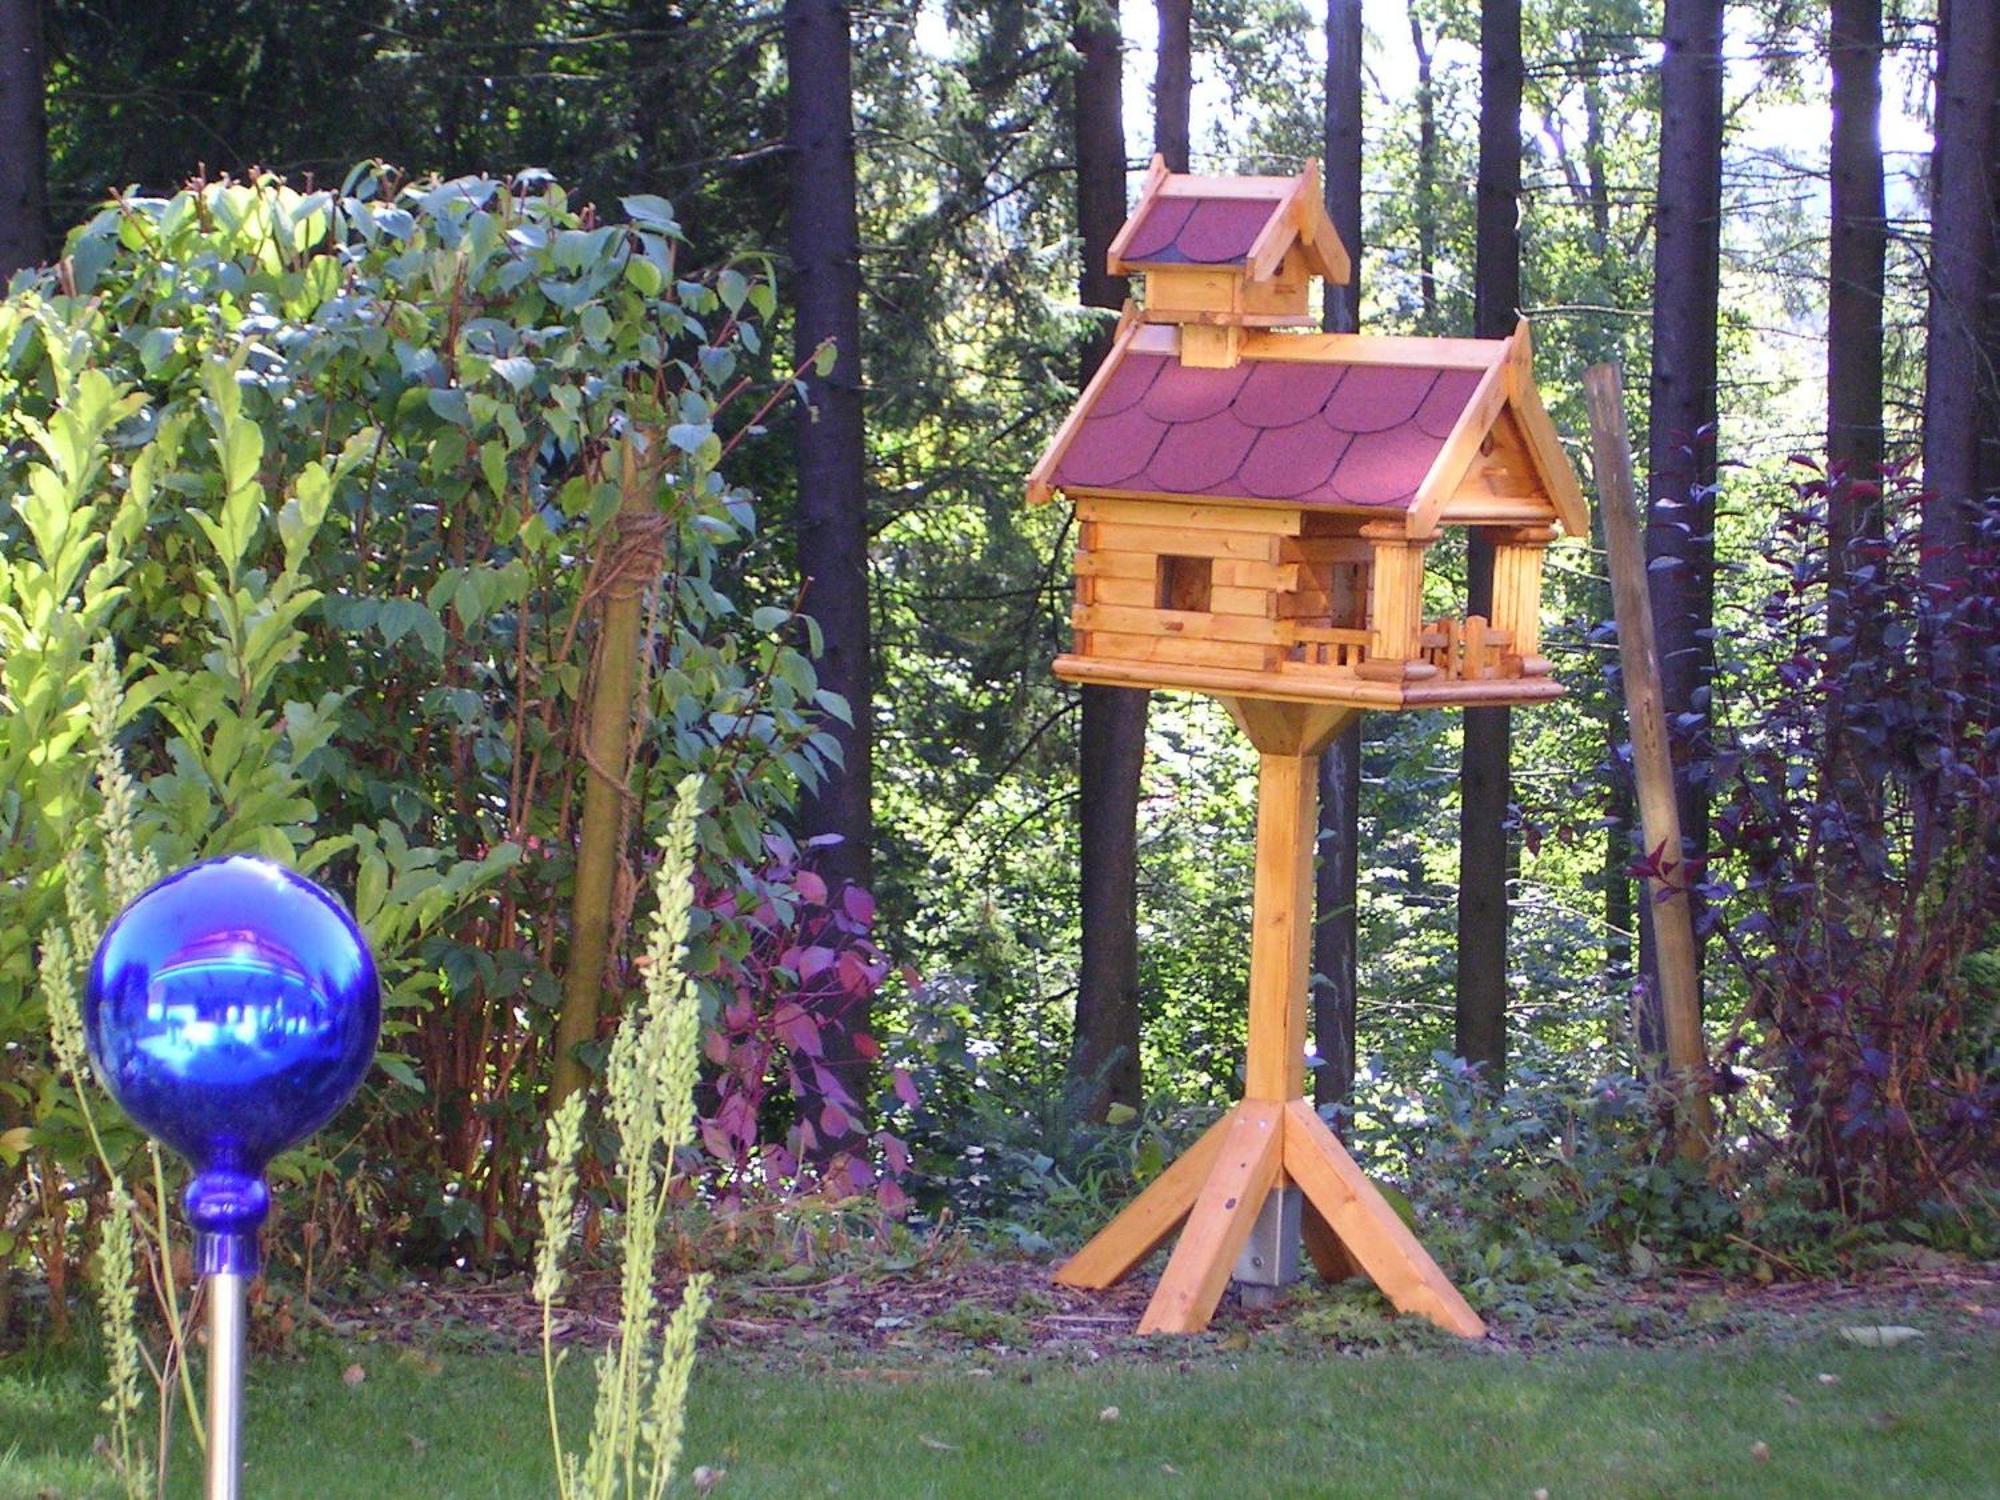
(878, 1320)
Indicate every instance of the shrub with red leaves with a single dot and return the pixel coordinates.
(779, 1113)
(1859, 819)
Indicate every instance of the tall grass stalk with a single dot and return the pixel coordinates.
(649, 1079)
(123, 870)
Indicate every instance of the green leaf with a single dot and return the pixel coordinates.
(689, 436)
(449, 404)
(652, 211)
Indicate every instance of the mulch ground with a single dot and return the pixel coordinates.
(1008, 1308)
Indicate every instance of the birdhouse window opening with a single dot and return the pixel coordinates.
(1345, 587)
(1186, 583)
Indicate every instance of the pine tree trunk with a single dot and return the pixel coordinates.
(1483, 782)
(1427, 172)
(23, 139)
(1173, 84)
(1859, 243)
(1336, 927)
(1680, 523)
(1961, 406)
(832, 520)
(1104, 1055)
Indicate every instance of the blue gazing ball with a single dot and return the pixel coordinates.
(231, 1010)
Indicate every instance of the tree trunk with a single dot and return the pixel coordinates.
(1336, 927)
(23, 139)
(1859, 242)
(1427, 171)
(1173, 84)
(632, 552)
(1961, 412)
(1680, 523)
(1104, 1056)
(832, 519)
(1483, 783)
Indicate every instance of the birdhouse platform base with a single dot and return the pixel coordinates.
(1273, 1139)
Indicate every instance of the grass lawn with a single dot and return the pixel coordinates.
(1600, 1422)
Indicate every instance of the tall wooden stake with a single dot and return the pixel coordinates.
(1652, 764)
(631, 561)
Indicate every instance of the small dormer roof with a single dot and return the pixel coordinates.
(1248, 224)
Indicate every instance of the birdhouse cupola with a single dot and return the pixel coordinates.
(1228, 253)
(1258, 502)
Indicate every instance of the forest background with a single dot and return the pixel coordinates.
(933, 187)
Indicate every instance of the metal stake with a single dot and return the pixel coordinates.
(225, 1381)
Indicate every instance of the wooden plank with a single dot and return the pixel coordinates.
(1193, 289)
(1379, 1241)
(1278, 236)
(1290, 683)
(1182, 185)
(1147, 1220)
(1440, 693)
(1327, 549)
(1281, 917)
(1183, 624)
(1238, 1181)
(1324, 249)
(1153, 651)
(1184, 541)
(1508, 510)
(1149, 185)
(1652, 763)
(1246, 573)
(1197, 514)
(1461, 447)
(1376, 349)
(1144, 593)
(1557, 472)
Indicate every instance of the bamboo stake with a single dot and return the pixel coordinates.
(1652, 764)
(606, 750)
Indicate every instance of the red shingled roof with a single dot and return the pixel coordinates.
(1293, 431)
(1198, 231)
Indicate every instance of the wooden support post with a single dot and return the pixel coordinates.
(1281, 925)
(1652, 764)
(1273, 1137)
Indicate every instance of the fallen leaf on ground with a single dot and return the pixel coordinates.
(353, 1375)
(1761, 1452)
(1109, 1414)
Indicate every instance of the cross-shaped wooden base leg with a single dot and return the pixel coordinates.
(1219, 1186)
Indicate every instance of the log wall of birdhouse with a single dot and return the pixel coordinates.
(1227, 294)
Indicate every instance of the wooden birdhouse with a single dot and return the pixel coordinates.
(1257, 505)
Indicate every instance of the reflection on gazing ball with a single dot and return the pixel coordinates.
(231, 1010)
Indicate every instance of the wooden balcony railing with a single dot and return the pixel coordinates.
(1468, 650)
(1323, 646)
